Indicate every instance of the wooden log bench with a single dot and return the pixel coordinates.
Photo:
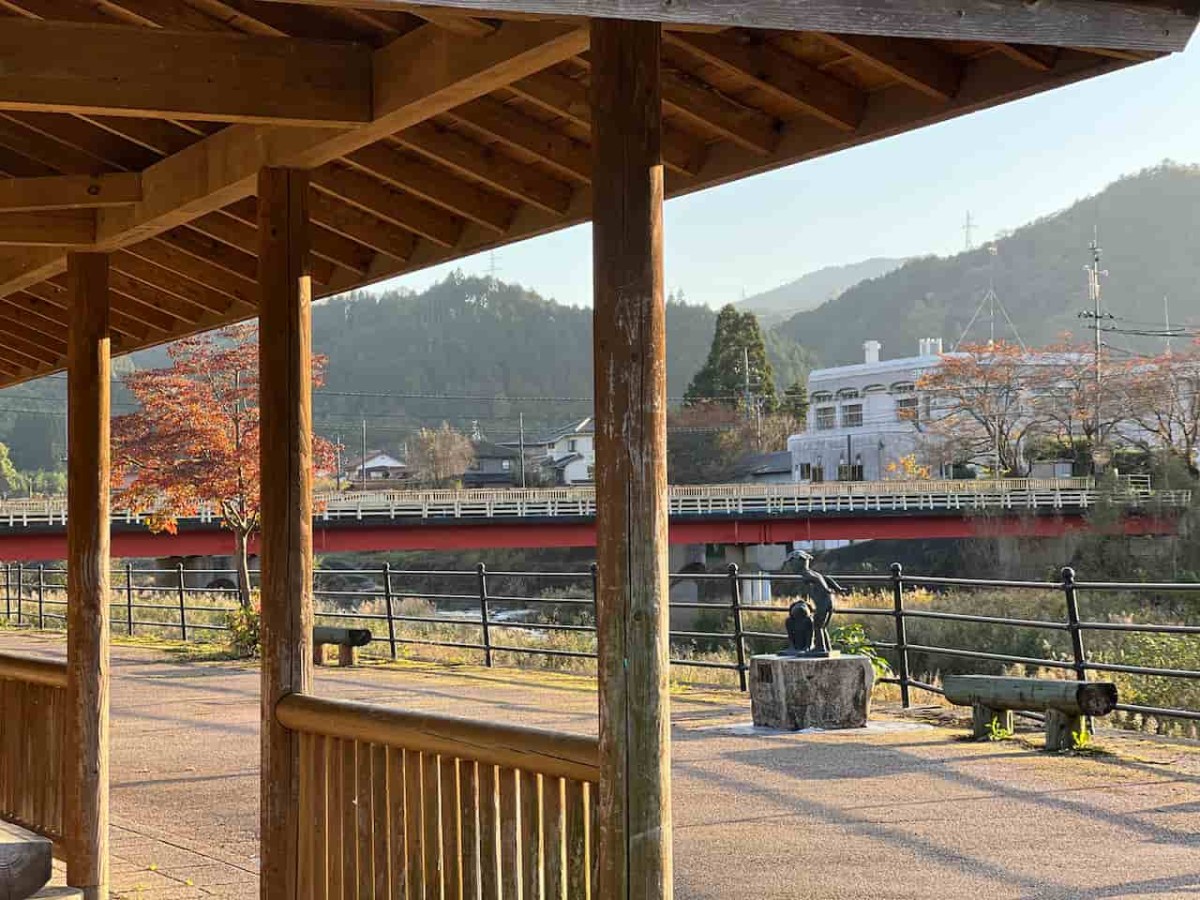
(347, 640)
(1067, 704)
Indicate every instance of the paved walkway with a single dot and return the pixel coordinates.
(899, 810)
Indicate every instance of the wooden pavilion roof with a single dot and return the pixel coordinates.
(137, 127)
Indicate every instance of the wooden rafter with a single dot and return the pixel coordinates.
(918, 65)
(804, 88)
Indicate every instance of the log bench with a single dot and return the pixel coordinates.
(1067, 704)
(345, 639)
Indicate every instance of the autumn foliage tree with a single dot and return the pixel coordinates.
(439, 456)
(1162, 399)
(194, 442)
(983, 408)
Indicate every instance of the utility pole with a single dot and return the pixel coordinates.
(746, 398)
(337, 448)
(363, 464)
(1095, 273)
(521, 426)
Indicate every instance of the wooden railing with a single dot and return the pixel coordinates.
(33, 701)
(396, 804)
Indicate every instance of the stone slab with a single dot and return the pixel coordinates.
(26, 862)
(792, 693)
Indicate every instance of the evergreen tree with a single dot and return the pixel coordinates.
(795, 401)
(737, 340)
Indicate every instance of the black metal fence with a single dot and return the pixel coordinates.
(497, 612)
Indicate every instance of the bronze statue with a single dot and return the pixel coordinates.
(808, 618)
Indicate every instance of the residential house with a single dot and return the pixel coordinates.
(566, 456)
(494, 466)
(378, 471)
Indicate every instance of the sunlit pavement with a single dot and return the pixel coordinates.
(900, 809)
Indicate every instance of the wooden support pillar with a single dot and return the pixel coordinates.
(631, 461)
(285, 402)
(86, 768)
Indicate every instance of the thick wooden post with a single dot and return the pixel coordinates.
(86, 768)
(631, 462)
(285, 386)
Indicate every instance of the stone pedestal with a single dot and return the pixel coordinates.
(796, 692)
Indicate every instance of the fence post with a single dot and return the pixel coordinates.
(129, 599)
(594, 569)
(1068, 585)
(182, 603)
(387, 602)
(41, 589)
(7, 591)
(20, 589)
(739, 640)
(901, 630)
(483, 614)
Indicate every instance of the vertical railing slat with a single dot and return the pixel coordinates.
(397, 860)
(489, 834)
(451, 835)
(318, 781)
(554, 856)
(530, 835)
(414, 863)
(306, 817)
(468, 799)
(431, 838)
(363, 798)
(576, 839)
(349, 820)
(380, 822)
(510, 847)
(333, 859)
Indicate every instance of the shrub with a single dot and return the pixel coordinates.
(245, 639)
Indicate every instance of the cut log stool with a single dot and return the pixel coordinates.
(1067, 704)
(345, 639)
(25, 862)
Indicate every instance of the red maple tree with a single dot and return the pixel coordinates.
(193, 444)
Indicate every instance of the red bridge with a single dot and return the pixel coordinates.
(712, 514)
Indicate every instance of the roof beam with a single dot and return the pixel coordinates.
(785, 78)
(121, 70)
(69, 192)
(74, 228)
(512, 127)
(379, 200)
(1099, 23)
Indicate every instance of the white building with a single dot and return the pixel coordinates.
(864, 417)
(568, 455)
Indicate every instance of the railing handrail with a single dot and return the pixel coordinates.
(513, 746)
(30, 670)
(707, 499)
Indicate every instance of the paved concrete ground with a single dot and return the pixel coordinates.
(898, 810)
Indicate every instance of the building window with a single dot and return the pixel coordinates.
(825, 418)
(847, 394)
(907, 409)
(818, 473)
(852, 416)
(903, 387)
(506, 464)
(804, 472)
(853, 472)
(571, 445)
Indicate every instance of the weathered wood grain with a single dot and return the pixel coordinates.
(88, 458)
(285, 378)
(631, 477)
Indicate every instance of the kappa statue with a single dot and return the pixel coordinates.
(808, 619)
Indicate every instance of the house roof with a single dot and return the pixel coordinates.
(436, 132)
(489, 450)
(760, 464)
(378, 459)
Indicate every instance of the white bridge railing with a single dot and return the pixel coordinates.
(692, 500)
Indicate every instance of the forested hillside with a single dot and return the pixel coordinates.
(813, 288)
(1148, 225)
(401, 360)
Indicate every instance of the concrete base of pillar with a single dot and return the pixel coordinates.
(796, 692)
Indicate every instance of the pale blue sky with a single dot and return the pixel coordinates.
(905, 196)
